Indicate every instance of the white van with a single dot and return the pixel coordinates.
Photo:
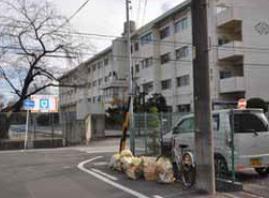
(251, 138)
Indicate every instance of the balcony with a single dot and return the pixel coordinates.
(230, 51)
(233, 84)
(229, 18)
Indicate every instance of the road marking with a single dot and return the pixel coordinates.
(157, 196)
(106, 180)
(105, 174)
(230, 195)
(100, 164)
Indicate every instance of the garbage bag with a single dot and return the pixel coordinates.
(149, 168)
(164, 169)
(115, 162)
(126, 153)
(125, 162)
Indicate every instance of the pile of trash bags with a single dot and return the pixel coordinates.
(149, 168)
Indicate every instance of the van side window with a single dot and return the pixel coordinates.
(185, 126)
(248, 123)
(215, 122)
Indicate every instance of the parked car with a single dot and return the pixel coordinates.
(251, 138)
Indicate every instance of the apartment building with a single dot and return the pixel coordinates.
(102, 82)
(162, 52)
(238, 36)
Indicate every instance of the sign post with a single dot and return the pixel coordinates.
(27, 105)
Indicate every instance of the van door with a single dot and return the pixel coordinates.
(184, 133)
(251, 133)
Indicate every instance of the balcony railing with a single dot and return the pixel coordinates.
(233, 84)
(231, 50)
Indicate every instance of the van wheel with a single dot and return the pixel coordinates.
(221, 168)
(262, 171)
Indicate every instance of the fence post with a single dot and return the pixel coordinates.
(146, 132)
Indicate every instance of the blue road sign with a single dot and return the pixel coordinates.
(44, 103)
(28, 104)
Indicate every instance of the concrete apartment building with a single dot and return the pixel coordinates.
(103, 79)
(162, 58)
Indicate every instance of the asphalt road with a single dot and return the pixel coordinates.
(56, 174)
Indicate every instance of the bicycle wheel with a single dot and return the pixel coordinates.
(187, 170)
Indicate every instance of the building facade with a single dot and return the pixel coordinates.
(162, 53)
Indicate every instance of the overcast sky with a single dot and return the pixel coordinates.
(107, 16)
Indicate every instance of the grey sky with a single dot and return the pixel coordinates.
(107, 16)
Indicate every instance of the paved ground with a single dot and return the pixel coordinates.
(82, 172)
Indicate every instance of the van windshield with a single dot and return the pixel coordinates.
(249, 122)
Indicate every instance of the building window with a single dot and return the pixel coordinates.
(147, 38)
(93, 100)
(106, 61)
(181, 25)
(89, 85)
(184, 108)
(89, 70)
(99, 65)
(94, 67)
(89, 100)
(100, 81)
(182, 52)
(165, 58)
(99, 98)
(147, 62)
(225, 74)
(106, 78)
(137, 69)
(94, 83)
(166, 84)
(183, 81)
(148, 87)
(136, 46)
(165, 32)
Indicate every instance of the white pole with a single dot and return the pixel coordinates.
(26, 130)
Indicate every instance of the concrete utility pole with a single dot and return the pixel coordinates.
(131, 108)
(205, 176)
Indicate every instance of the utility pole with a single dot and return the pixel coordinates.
(205, 175)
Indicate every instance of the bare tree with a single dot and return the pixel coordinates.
(32, 34)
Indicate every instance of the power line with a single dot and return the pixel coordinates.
(74, 14)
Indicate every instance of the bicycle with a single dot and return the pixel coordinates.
(185, 165)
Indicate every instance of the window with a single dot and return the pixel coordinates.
(182, 52)
(99, 65)
(89, 100)
(106, 61)
(165, 32)
(94, 83)
(94, 67)
(185, 126)
(181, 25)
(106, 78)
(99, 98)
(166, 84)
(165, 58)
(148, 87)
(225, 74)
(250, 123)
(184, 108)
(136, 46)
(89, 85)
(89, 70)
(93, 100)
(183, 81)
(147, 38)
(100, 81)
(137, 69)
(147, 62)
